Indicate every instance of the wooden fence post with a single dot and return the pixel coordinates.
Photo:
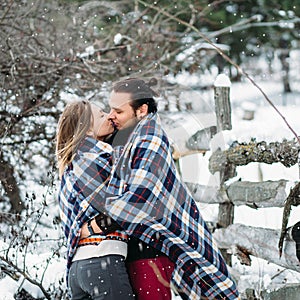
(222, 102)
(223, 115)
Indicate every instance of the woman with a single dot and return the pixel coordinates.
(95, 264)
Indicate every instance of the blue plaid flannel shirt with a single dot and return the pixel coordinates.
(152, 203)
(80, 183)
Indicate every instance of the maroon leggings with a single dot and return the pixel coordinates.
(150, 278)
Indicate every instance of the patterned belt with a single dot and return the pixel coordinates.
(94, 240)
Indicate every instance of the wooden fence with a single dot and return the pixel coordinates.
(238, 239)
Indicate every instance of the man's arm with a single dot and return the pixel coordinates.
(148, 180)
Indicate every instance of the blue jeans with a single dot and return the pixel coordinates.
(100, 278)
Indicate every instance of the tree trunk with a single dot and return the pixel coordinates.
(10, 186)
(285, 67)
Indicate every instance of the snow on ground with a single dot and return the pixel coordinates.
(267, 126)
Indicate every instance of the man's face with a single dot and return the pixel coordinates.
(121, 113)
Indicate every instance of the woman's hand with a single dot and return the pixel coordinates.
(85, 231)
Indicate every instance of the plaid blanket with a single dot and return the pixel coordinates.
(154, 205)
(83, 180)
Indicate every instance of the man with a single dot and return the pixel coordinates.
(150, 270)
(152, 204)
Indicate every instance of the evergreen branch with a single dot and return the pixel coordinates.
(227, 58)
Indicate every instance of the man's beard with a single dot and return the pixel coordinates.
(120, 137)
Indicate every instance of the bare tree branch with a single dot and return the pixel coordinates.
(228, 59)
(15, 273)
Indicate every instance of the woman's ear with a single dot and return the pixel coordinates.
(142, 111)
(90, 132)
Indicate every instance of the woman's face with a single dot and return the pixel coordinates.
(101, 125)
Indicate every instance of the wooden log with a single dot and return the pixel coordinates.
(258, 194)
(201, 139)
(206, 194)
(239, 154)
(259, 242)
(253, 194)
(188, 132)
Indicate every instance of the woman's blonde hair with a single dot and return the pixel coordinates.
(73, 125)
